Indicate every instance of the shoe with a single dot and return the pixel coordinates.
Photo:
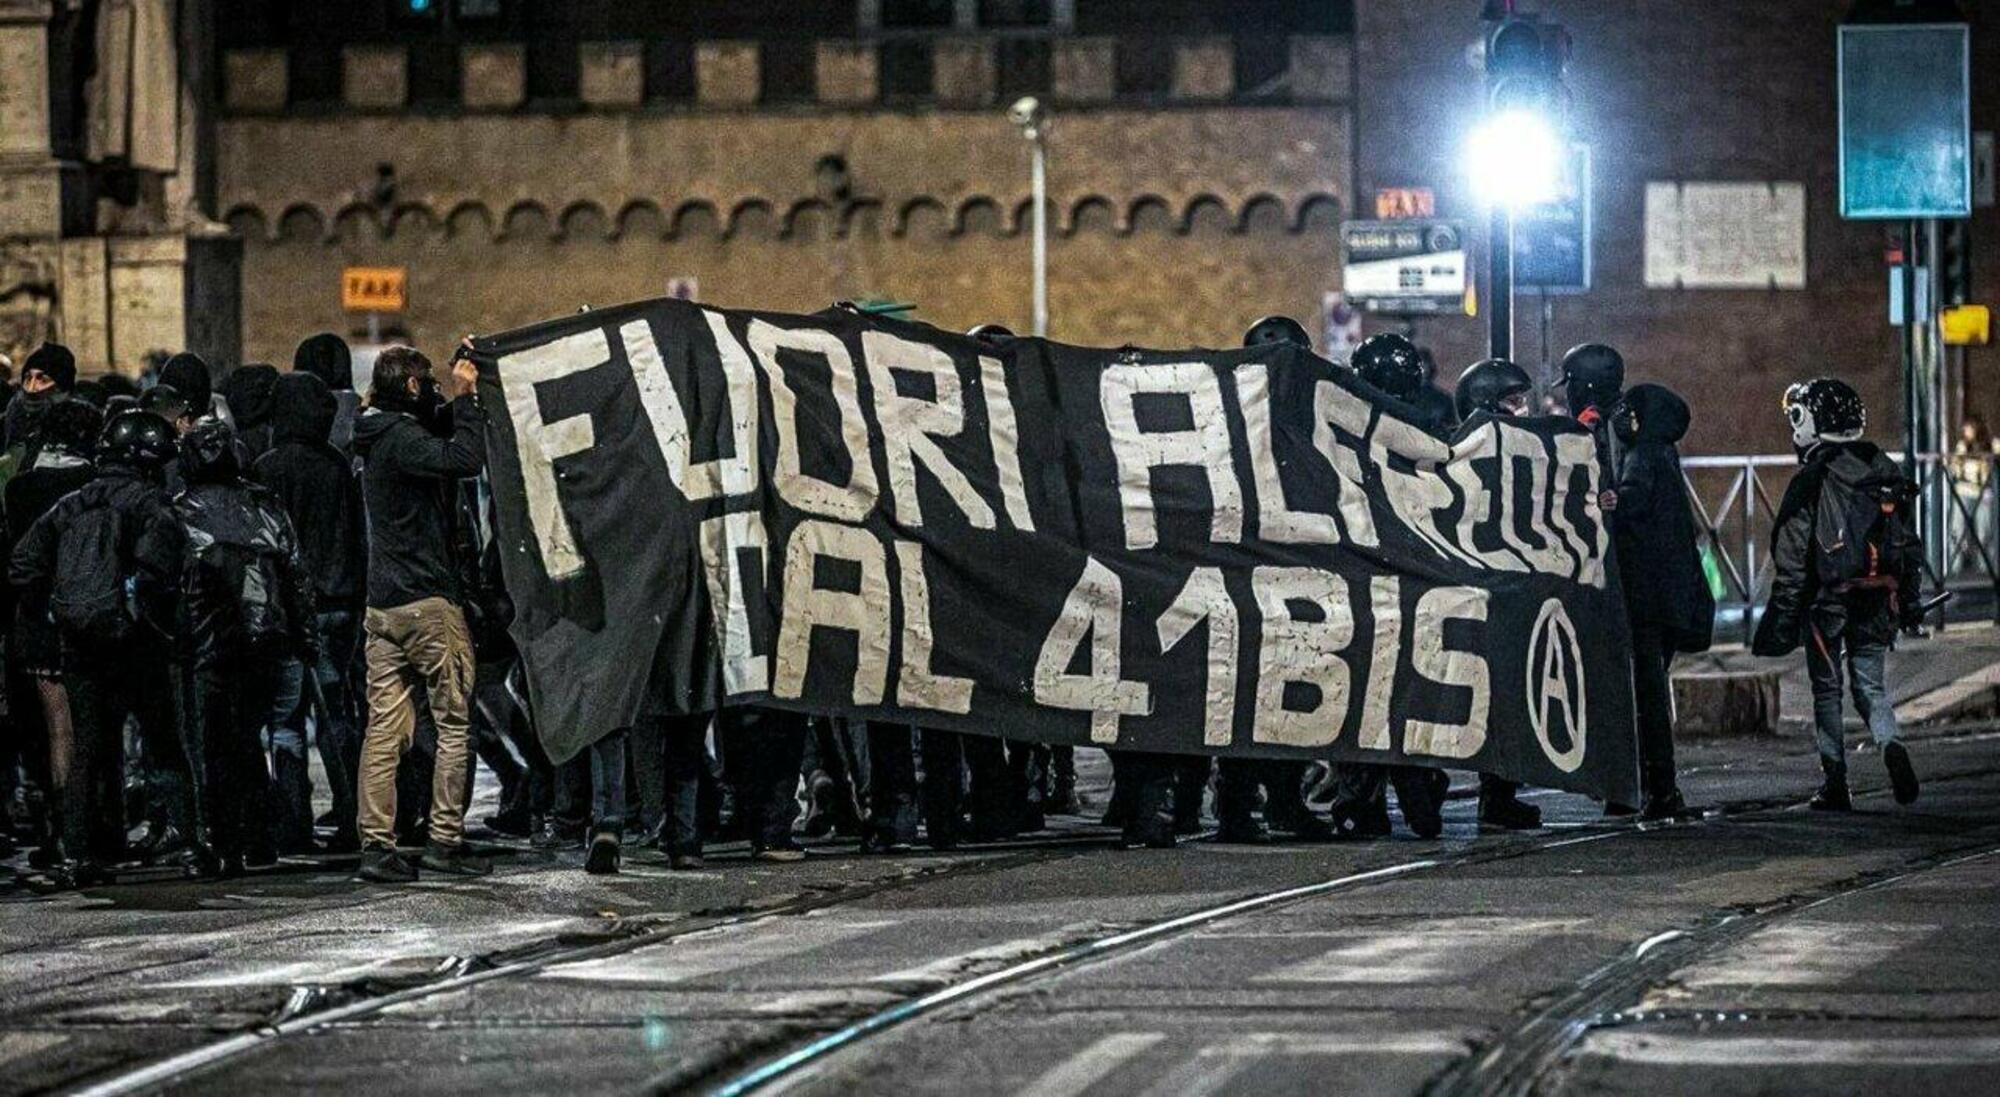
(326, 821)
(261, 855)
(785, 852)
(1243, 832)
(71, 875)
(1307, 827)
(516, 823)
(1508, 813)
(555, 837)
(1619, 811)
(1420, 794)
(1668, 805)
(602, 860)
(1360, 822)
(1063, 799)
(886, 843)
(1902, 776)
(686, 862)
(382, 865)
(162, 840)
(1155, 837)
(454, 860)
(1832, 796)
(818, 821)
(343, 841)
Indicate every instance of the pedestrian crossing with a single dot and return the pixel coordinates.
(1419, 952)
(1149, 1064)
(1805, 954)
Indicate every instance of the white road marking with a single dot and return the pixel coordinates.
(1086, 1068)
(20, 1045)
(1660, 1049)
(947, 969)
(1805, 954)
(1419, 952)
(1211, 1068)
(711, 952)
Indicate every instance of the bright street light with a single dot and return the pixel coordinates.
(1515, 160)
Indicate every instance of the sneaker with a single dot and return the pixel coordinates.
(382, 865)
(1243, 832)
(454, 860)
(517, 823)
(686, 862)
(1508, 813)
(1902, 776)
(783, 853)
(1832, 796)
(1361, 822)
(555, 837)
(602, 860)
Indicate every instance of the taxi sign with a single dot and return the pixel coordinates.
(1966, 325)
(373, 289)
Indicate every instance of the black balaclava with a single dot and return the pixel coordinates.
(326, 356)
(189, 376)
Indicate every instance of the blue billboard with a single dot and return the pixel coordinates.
(1905, 121)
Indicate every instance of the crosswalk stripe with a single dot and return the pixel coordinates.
(1663, 1049)
(1802, 954)
(1086, 1068)
(1418, 952)
(713, 952)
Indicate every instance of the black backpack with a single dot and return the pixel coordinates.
(1863, 536)
(241, 584)
(90, 597)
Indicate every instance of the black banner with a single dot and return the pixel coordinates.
(1245, 552)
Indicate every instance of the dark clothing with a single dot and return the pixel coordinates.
(1836, 474)
(1659, 558)
(319, 490)
(407, 480)
(21, 427)
(227, 706)
(1653, 697)
(107, 686)
(245, 585)
(761, 752)
(250, 392)
(337, 725)
(892, 782)
(149, 544)
(35, 646)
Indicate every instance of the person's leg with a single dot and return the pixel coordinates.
(684, 747)
(1150, 781)
(1868, 666)
(1360, 800)
(991, 796)
(782, 743)
(94, 745)
(291, 775)
(1236, 789)
(892, 784)
(1823, 670)
(1062, 781)
(1501, 808)
(1653, 698)
(392, 720)
(339, 718)
(941, 792)
(647, 748)
(152, 699)
(441, 648)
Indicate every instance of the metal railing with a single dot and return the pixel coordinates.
(1735, 502)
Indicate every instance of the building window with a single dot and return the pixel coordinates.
(906, 69)
(315, 74)
(433, 74)
(1261, 63)
(553, 70)
(670, 70)
(1024, 67)
(1145, 66)
(787, 71)
(479, 9)
(916, 14)
(1014, 13)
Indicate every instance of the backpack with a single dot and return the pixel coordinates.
(242, 586)
(1863, 537)
(90, 598)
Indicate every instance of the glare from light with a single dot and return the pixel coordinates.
(1515, 160)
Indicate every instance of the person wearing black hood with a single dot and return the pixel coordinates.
(47, 379)
(415, 626)
(246, 610)
(248, 392)
(1848, 575)
(1667, 600)
(326, 357)
(103, 565)
(189, 374)
(317, 487)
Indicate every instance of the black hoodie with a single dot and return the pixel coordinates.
(408, 476)
(249, 391)
(1832, 472)
(326, 356)
(1659, 558)
(317, 487)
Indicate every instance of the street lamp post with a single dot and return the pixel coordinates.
(1029, 115)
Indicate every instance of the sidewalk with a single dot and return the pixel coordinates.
(1919, 668)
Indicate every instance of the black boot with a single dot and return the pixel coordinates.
(1902, 775)
(1501, 809)
(1832, 795)
(1420, 794)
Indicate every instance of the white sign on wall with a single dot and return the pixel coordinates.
(1726, 235)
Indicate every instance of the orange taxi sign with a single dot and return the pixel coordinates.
(373, 289)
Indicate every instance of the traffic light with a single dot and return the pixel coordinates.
(1525, 59)
(1515, 156)
(1955, 262)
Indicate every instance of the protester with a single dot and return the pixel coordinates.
(248, 392)
(415, 628)
(103, 565)
(246, 614)
(317, 487)
(326, 357)
(1848, 574)
(47, 379)
(190, 375)
(1667, 600)
(761, 751)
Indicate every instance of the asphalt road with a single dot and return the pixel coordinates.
(1761, 949)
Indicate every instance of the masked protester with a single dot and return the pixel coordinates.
(1498, 389)
(1667, 599)
(415, 627)
(1848, 572)
(1593, 377)
(189, 375)
(103, 566)
(47, 379)
(40, 726)
(246, 612)
(317, 487)
(326, 357)
(249, 390)
(1392, 364)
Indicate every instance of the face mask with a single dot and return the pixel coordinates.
(1514, 403)
(1625, 422)
(1804, 431)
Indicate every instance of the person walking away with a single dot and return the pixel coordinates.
(39, 714)
(1848, 574)
(249, 390)
(246, 616)
(316, 486)
(102, 567)
(415, 629)
(326, 357)
(1667, 599)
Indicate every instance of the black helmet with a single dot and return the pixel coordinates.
(1277, 329)
(208, 453)
(1824, 409)
(1495, 386)
(1593, 376)
(1391, 363)
(139, 439)
(992, 333)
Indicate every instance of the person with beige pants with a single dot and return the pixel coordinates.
(415, 626)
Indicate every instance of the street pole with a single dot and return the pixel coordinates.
(1500, 282)
(1040, 186)
(1911, 411)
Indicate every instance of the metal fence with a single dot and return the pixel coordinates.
(1735, 502)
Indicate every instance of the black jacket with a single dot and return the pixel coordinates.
(31, 492)
(1798, 598)
(151, 548)
(214, 616)
(407, 480)
(1659, 555)
(317, 487)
